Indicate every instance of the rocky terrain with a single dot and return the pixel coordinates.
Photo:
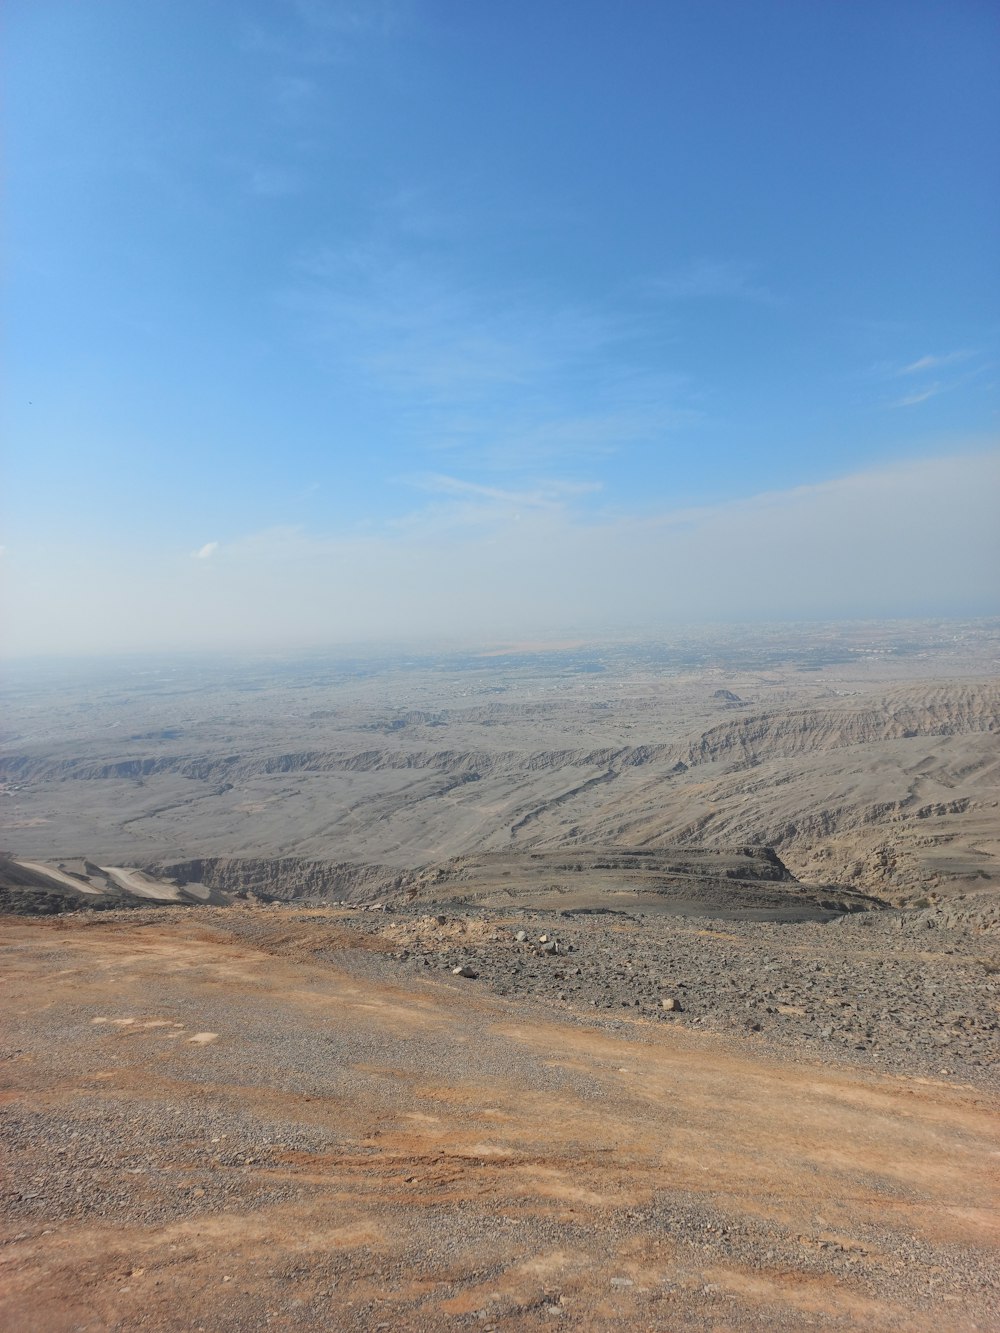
(867, 759)
(312, 1118)
(746, 883)
(917, 993)
(616, 987)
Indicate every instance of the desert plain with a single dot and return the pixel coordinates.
(599, 985)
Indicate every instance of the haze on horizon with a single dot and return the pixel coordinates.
(402, 320)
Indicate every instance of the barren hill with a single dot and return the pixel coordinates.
(893, 789)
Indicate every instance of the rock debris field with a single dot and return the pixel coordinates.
(916, 992)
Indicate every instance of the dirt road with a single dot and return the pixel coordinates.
(207, 1133)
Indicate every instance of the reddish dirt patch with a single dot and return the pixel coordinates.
(353, 1150)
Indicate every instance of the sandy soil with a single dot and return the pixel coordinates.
(143, 886)
(210, 1133)
(50, 872)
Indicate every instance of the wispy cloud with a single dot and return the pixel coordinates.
(325, 32)
(925, 363)
(548, 495)
(270, 182)
(921, 370)
(585, 437)
(417, 329)
(206, 552)
(496, 379)
(294, 94)
(912, 399)
(712, 279)
(544, 568)
(350, 16)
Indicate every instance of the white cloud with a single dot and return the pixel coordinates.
(545, 495)
(206, 552)
(913, 538)
(493, 378)
(911, 399)
(925, 363)
(924, 366)
(419, 333)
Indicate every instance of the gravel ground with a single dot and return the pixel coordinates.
(241, 1118)
(914, 993)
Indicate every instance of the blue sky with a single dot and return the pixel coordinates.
(304, 293)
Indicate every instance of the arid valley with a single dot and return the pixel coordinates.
(606, 985)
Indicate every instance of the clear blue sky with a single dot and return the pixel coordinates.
(306, 289)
